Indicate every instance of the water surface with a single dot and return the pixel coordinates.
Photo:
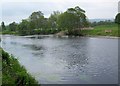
(54, 60)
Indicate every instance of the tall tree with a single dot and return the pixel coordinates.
(72, 18)
(82, 17)
(3, 26)
(37, 18)
(23, 28)
(53, 19)
(67, 21)
(13, 26)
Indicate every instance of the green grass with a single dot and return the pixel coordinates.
(100, 31)
(9, 32)
(97, 31)
(13, 73)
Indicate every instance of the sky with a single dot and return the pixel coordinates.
(16, 10)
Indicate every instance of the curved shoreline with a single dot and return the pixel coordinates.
(15, 73)
(66, 36)
(108, 37)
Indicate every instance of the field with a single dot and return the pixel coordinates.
(102, 30)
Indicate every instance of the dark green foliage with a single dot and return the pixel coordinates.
(3, 26)
(14, 74)
(5, 57)
(75, 32)
(117, 18)
(73, 20)
(67, 20)
(13, 26)
(23, 28)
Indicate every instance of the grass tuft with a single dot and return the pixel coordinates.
(13, 73)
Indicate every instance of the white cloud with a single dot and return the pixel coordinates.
(119, 6)
(16, 10)
(60, 1)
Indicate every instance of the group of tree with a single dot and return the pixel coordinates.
(106, 22)
(36, 23)
(72, 20)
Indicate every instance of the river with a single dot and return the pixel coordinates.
(80, 60)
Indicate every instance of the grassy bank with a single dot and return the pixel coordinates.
(101, 31)
(13, 73)
(8, 32)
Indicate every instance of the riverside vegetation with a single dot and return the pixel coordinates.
(13, 73)
(71, 21)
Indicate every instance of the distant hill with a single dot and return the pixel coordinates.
(98, 20)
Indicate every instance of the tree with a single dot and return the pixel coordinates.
(52, 21)
(13, 26)
(37, 18)
(45, 23)
(117, 18)
(24, 28)
(73, 18)
(3, 26)
(82, 17)
(67, 21)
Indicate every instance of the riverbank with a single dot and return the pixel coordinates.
(107, 31)
(65, 36)
(103, 30)
(107, 37)
(14, 73)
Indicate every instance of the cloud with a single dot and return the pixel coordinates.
(60, 1)
(16, 10)
(119, 7)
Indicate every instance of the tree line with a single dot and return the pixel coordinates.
(36, 23)
(106, 22)
(72, 20)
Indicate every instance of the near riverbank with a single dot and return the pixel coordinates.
(13, 73)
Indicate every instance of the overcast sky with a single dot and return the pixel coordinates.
(16, 10)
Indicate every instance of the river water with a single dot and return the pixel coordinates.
(52, 60)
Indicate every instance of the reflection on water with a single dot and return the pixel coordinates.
(66, 60)
(34, 47)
